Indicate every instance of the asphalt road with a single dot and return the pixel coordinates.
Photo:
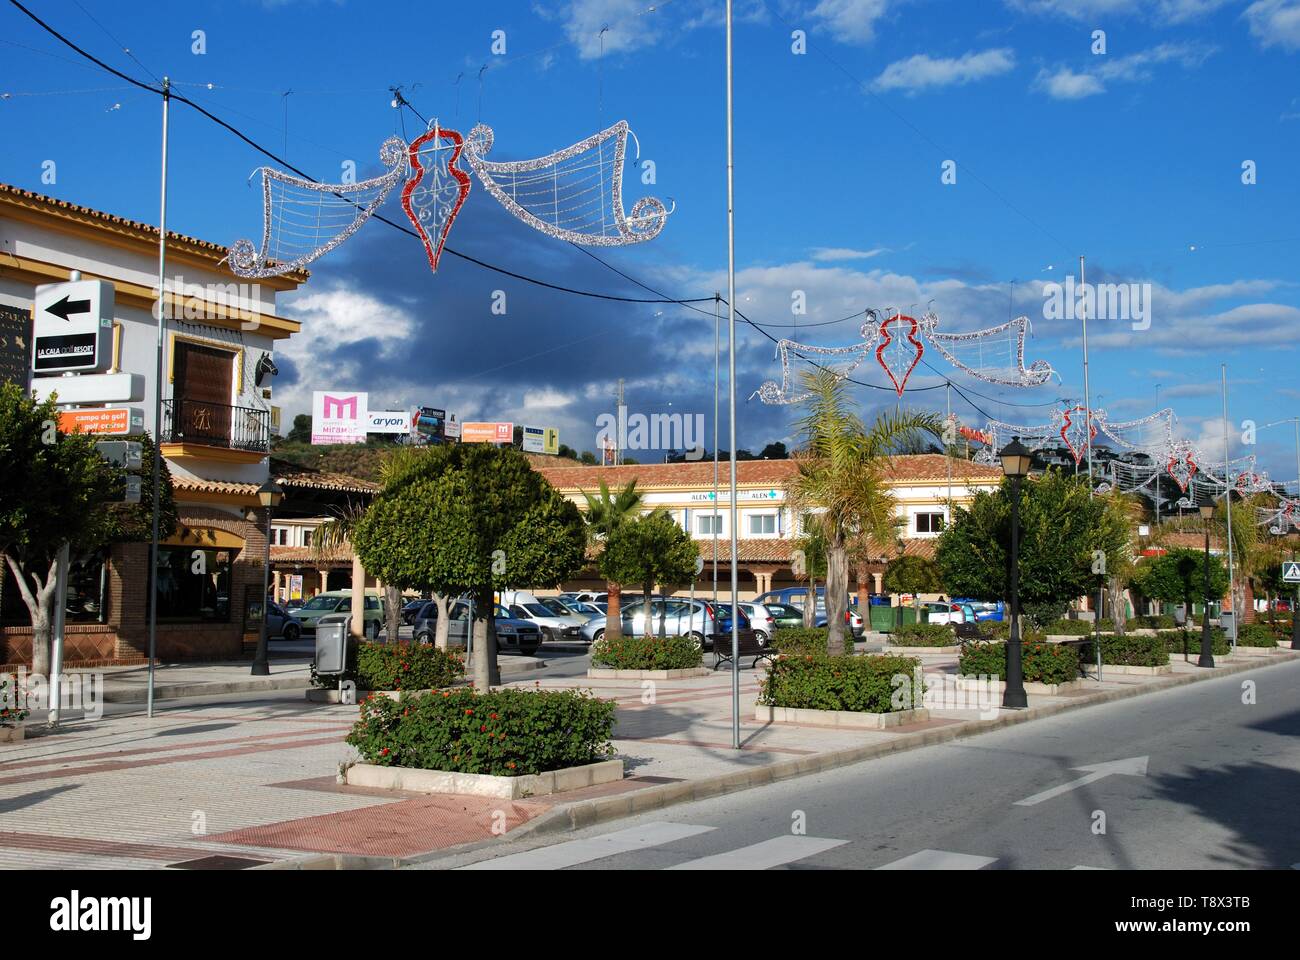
(1219, 791)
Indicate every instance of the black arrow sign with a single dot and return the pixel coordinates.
(65, 307)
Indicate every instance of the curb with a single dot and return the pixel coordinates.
(587, 813)
(178, 691)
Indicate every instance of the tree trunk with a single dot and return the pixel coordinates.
(663, 621)
(486, 671)
(1117, 612)
(646, 589)
(443, 626)
(837, 598)
(864, 597)
(40, 607)
(393, 600)
(810, 604)
(614, 611)
(357, 624)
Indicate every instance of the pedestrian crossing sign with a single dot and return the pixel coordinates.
(1291, 571)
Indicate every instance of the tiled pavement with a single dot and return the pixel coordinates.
(258, 780)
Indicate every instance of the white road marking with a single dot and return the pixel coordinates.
(1132, 767)
(574, 852)
(939, 860)
(762, 856)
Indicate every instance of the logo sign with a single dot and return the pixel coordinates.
(1291, 572)
(72, 326)
(534, 440)
(493, 432)
(430, 423)
(110, 421)
(452, 428)
(388, 421)
(552, 441)
(339, 417)
(295, 586)
(15, 345)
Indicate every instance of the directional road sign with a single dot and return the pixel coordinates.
(72, 326)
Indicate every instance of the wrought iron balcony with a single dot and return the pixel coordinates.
(215, 425)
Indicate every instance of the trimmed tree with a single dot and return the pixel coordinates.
(648, 550)
(605, 514)
(1179, 577)
(471, 518)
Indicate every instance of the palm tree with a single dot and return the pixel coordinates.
(605, 514)
(841, 480)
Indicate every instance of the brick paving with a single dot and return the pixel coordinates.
(259, 780)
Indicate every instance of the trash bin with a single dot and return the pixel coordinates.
(332, 644)
(1228, 620)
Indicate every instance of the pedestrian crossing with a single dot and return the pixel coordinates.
(778, 851)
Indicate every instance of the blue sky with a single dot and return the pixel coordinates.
(1133, 157)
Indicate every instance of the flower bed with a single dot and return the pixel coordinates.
(863, 684)
(505, 733)
(646, 653)
(398, 666)
(11, 717)
(1174, 640)
(923, 635)
(1130, 650)
(1041, 662)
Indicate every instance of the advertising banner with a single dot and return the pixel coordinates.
(295, 586)
(453, 427)
(430, 423)
(534, 439)
(110, 421)
(339, 417)
(487, 432)
(388, 421)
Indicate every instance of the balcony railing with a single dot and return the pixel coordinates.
(215, 425)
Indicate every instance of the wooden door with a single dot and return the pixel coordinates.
(202, 387)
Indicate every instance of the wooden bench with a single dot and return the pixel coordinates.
(747, 645)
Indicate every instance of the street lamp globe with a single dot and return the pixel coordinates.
(270, 493)
(1207, 511)
(1016, 460)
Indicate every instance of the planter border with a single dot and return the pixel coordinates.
(13, 734)
(1130, 670)
(850, 719)
(890, 650)
(610, 673)
(481, 784)
(1031, 686)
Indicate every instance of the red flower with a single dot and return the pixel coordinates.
(511, 764)
(483, 729)
(492, 716)
(468, 712)
(384, 752)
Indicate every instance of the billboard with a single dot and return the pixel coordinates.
(15, 346)
(388, 421)
(452, 427)
(339, 416)
(430, 424)
(112, 421)
(541, 440)
(490, 432)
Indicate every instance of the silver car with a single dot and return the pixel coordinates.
(679, 620)
(761, 621)
(554, 625)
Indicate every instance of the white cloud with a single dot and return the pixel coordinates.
(1275, 23)
(547, 398)
(1064, 83)
(832, 254)
(1162, 12)
(850, 21)
(630, 27)
(922, 71)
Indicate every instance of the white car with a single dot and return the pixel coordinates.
(554, 626)
(761, 621)
(942, 612)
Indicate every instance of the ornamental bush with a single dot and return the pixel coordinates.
(506, 733)
(1163, 621)
(864, 684)
(1189, 641)
(1258, 635)
(923, 635)
(1130, 650)
(1040, 662)
(398, 666)
(10, 716)
(800, 641)
(1078, 628)
(646, 653)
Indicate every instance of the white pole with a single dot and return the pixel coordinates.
(1227, 499)
(731, 397)
(1087, 398)
(157, 405)
(717, 511)
(60, 621)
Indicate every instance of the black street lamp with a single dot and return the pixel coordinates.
(269, 495)
(1207, 648)
(1016, 461)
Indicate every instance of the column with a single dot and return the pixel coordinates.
(324, 578)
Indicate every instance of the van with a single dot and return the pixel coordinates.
(302, 620)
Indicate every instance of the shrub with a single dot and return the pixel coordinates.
(1078, 628)
(923, 635)
(646, 653)
(1162, 621)
(1189, 641)
(801, 641)
(10, 716)
(864, 684)
(397, 666)
(1040, 662)
(1258, 635)
(505, 733)
(1130, 650)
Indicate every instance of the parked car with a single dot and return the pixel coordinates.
(785, 615)
(761, 621)
(293, 604)
(276, 617)
(513, 636)
(723, 632)
(680, 619)
(554, 626)
(579, 609)
(589, 596)
(303, 619)
(795, 597)
(984, 609)
(948, 612)
(411, 609)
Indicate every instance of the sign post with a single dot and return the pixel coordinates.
(72, 326)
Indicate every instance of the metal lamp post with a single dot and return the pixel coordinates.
(1016, 461)
(1207, 647)
(269, 495)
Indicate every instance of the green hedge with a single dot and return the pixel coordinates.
(1258, 635)
(1174, 640)
(1161, 621)
(800, 641)
(923, 635)
(864, 684)
(646, 653)
(397, 666)
(1078, 628)
(504, 733)
(1130, 650)
(1040, 662)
